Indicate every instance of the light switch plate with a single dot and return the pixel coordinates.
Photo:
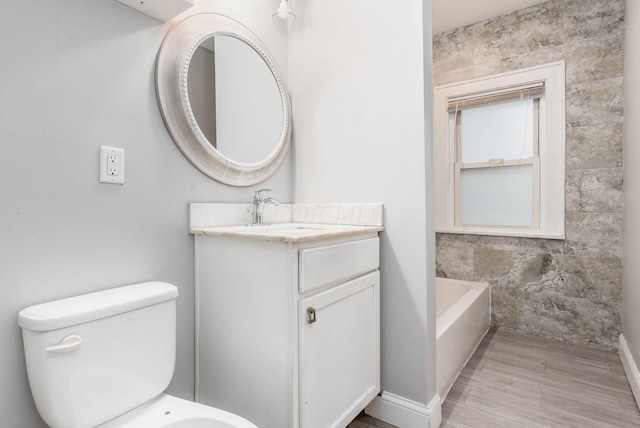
(111, 165)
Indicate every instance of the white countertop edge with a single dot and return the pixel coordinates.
(287, 232)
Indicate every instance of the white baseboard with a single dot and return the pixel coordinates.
(630, 368)
(405, 413)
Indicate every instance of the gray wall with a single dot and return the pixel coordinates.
(362, 131)
(77, 74)
(570, 289)
(631, 273)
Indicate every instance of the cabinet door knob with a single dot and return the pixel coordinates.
(311, 315)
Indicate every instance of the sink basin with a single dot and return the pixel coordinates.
(285, 226)
(285, 229)
(297, 230)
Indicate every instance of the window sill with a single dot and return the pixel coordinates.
(505, 232)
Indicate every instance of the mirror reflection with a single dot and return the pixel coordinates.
(235, 99)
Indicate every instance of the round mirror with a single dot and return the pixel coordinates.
(230, 86)
(222, 99)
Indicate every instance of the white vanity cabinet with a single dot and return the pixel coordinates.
(288, 333)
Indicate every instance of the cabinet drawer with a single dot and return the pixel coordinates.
(328, 265)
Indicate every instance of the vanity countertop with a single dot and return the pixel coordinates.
(287, 232)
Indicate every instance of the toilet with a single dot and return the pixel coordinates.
(104, 359)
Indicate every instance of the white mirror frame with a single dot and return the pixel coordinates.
(172, 68)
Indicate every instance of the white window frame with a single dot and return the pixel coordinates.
(550, 215)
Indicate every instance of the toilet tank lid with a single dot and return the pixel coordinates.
(93, 306)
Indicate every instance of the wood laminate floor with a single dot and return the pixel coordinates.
(515, 380)
(366, 421)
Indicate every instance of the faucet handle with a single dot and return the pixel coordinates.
(257, 194)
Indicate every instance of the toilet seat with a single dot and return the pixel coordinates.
(166, 411)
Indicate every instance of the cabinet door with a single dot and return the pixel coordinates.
(339, 352)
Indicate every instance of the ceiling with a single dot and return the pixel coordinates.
(452, 14)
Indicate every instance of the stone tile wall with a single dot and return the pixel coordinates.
(570, 289)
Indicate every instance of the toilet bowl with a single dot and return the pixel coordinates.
(166, 411)
(104, 360)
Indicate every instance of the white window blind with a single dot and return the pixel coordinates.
(522, 92)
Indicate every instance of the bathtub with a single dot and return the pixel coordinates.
(463, 318)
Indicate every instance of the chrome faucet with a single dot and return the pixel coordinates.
(258, 205)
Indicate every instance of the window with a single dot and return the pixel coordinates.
(500, 154)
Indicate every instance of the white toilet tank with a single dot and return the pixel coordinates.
(93, 357)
